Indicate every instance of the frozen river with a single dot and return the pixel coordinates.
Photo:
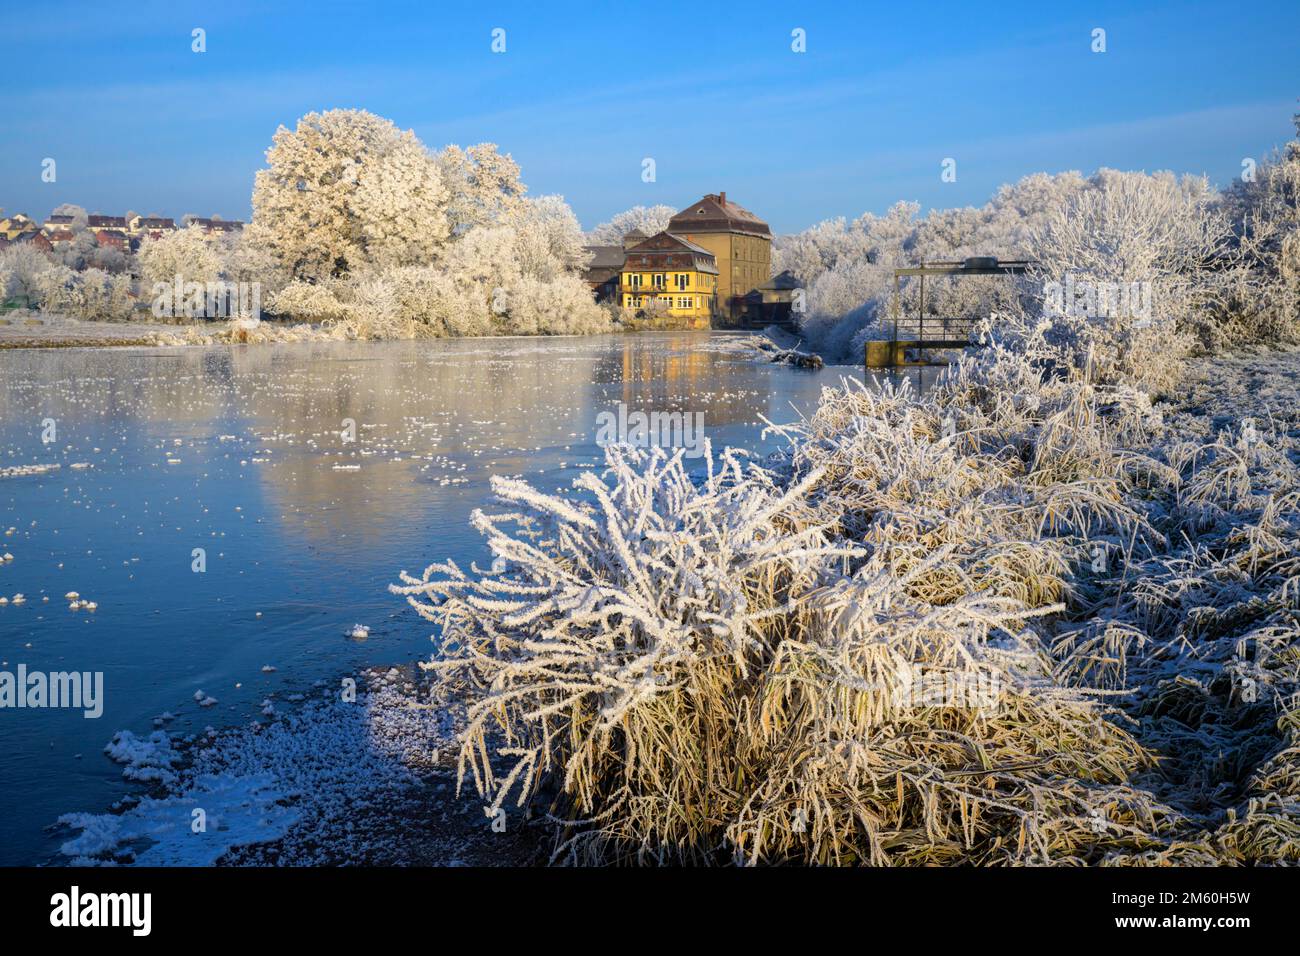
(239, 456)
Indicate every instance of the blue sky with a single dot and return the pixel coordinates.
(584, 92)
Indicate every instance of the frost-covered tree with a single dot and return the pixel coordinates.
(483, 186)
(346, 189)
(647, 219)
(376, 238)
(1143, 258)
(186, 253)
(80, 219)
(549, 237)
(80, 252)
(1113, 228)
(245, 260)
(21, 266)
(1130, 227)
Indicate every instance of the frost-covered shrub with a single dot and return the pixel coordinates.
(315, 302)
(562, 306)
(91, 294)
(744, 666)
(21, 267)
(1265, 216)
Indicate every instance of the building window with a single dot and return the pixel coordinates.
(634, 280)
(683, 280)
(660, 280)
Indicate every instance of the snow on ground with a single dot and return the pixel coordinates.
(1219, 392)
(335, 782)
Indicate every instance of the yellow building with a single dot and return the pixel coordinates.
(670, 276)
(741, 245)
(11, 227)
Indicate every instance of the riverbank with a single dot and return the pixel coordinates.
(27, 330)
(373, 781)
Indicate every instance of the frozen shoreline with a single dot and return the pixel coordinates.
(330, 781)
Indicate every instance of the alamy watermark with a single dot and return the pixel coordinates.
(78, 690)
(207, 300)
(1110, 300)
(919, 688)
(665, 430)
(74, 908)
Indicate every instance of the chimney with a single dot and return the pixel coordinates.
(722, 197)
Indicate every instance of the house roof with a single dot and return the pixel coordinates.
(605, 257)
(781, 283)
(715, 213)
(605, 264)
(224, 225)
(155, 222)
(106, 222)
(669, 251)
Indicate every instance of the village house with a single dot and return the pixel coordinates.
(118, 232)
(216, 227)
(97, 222)
(773, 302)
(11, 227)
(36, 239)
(605, 264)
(20, 228)
(111, 238)
(733, 246)
(670, 276)
(151, 227)
(57, 223)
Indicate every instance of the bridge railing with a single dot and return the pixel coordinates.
(935, 328)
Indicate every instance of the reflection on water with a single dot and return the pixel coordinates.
(240, 452)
